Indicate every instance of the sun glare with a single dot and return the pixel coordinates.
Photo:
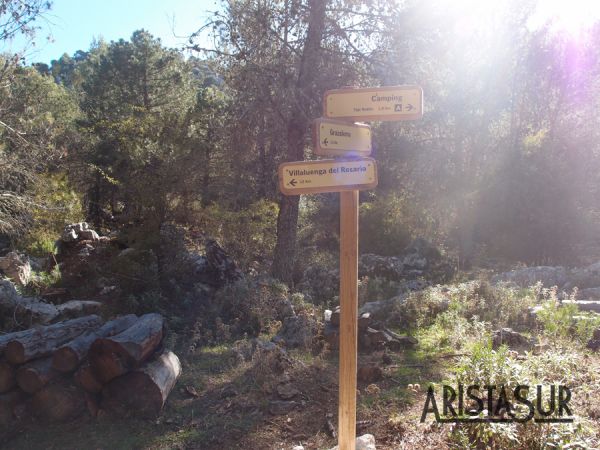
(573, 17)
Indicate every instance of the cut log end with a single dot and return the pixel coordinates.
(36, 374)
(116, 355)
(59, 402)
(7, 377)
(65, 360)
(87, 380)
(143, 391)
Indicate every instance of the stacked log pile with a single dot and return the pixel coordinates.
(371, 335)
(54, 372)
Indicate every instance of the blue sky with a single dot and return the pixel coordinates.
(72, 24)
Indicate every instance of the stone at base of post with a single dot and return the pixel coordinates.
(364, 442)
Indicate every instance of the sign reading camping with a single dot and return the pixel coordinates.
(388, 103)
(338, 138)
(312, 177)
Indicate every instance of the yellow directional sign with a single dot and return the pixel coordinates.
(338, 138)
(312, 177)
(373, 104)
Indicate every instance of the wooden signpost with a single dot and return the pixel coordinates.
(354, 172)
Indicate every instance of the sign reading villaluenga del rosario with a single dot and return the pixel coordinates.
(309, 177)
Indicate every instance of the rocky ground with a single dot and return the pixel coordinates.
(259, 362)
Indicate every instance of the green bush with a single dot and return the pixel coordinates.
(474, 300)
(391, 222)
(499, 305)
(564, 321)
(246, 307)
(497, 367)
(248, 234)
(55, 204)
(44, 280)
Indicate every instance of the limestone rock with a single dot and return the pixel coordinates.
(364, 442)
(379, 310)
(224, 268)
(17, 267)
(30, 308)
(72, 232)
(529, 276)
(297, 331)
(509, 337)
(287, 391)
(420, 259)
(589, 293)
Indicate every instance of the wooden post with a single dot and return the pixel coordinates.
(348, 318)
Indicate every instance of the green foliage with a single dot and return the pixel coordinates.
(564, 321)
(145, 302)
(485, 366)
(55, 204)
(246, 308)
(136, 272)
(390, 223)
(497, 304)
(320, 277)
(372, 289)
(450, 332)
(142, 123)
(247, 234)
(475, 300)
(36, 124)
(41, 281)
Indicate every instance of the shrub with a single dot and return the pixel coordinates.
(248, 234)
(564, 321)
(497, 367)
(54, 205)
(246, 307)
(391, 222)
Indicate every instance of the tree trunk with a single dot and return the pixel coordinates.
(7, 377)
(35, 375)
(145, 390)
(85, 378)
(114, 356)
(43, 341)
(59, 402)
(6, 338)
(68, 357)
(287, 219)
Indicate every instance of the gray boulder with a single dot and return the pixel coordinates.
(381, 309)
(17, 267)
(585, 277)
(510, 338)
(528, 276)
(589, 293)
(78, 231)
(297, 331)
(364, 442)
(25, 308)
(420, 259)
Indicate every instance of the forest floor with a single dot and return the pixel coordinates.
(221, 402)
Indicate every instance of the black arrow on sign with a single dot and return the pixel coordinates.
(410, 107)
(293, 182)
(325, 142)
